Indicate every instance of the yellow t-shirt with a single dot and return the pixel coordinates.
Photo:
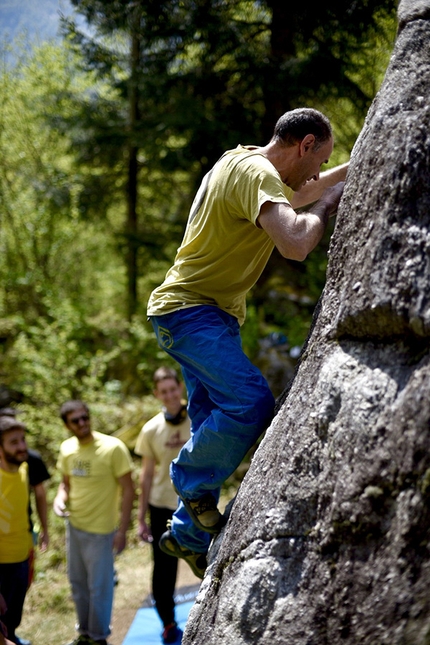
(162, 441)
(15, 537)
(223, 252)
(94, 469)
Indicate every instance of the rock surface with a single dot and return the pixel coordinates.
(328, 539)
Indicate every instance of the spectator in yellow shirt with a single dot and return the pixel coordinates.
(15, 535)
(96, 471)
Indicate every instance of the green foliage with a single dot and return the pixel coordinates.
(212, 74)
(61, 276)
(68, 358)
(250, 331)
(47, 254)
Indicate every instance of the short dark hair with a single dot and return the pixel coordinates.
(293, 126)
(72, 406)
(163, 373)
(7, 424)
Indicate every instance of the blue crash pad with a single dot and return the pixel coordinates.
(146, 627)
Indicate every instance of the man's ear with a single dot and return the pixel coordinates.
(307, 144)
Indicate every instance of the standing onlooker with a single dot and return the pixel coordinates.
(15, 536)
(158, 443)
(37, 474)
(96, 471)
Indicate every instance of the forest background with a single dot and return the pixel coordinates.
(105, 134)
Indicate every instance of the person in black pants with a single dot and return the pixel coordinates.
(158, 443)
(37, 475)
(15, 536)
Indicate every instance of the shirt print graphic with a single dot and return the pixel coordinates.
(81, 468)
(175, 441)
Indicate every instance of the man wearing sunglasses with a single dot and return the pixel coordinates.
(96, 470)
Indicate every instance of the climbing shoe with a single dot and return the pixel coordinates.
(205, 514)
(197, 561)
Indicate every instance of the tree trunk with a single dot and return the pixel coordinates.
(132, 219)
(328, 538)
(277, 94)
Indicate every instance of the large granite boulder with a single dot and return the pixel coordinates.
(328, 539)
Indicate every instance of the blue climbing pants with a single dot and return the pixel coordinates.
(229, 404)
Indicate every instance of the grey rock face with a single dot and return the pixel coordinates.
(328, 541)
